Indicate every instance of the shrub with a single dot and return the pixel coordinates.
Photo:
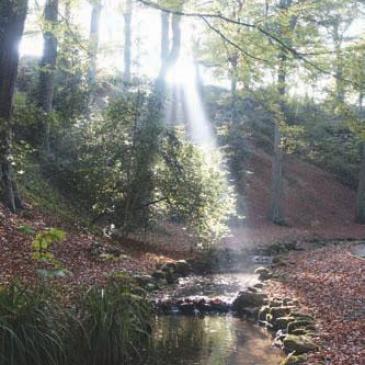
(115, 324)
(32, 327)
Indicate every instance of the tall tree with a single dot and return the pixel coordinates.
(48, 68)
(165, 35)
(94, 39)
(360, 201)
(174, 50)
(127, 41)
(276, 212)
(12, 18)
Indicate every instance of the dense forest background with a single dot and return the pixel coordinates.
(106, 107)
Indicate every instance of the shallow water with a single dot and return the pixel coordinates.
(212, 340)
(359, 250)
(223, 286)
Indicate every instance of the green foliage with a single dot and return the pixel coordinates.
(43, 242)
(108, 326)
(132, 172)
(115, 324)
(28, 230)
(32, 327)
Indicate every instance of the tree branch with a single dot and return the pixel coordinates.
(273, 37)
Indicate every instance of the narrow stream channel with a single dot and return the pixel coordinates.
(213, 339)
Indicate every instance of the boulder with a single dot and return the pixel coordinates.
(281, 323)
(299, 332)
(182, 267)
(298, 344)
(168, 267)
(280, 311)
(304, 324)
(143, 279)
(262, 313)
(295, 359)
(158, 275)
(187, 308)
(276, 303)
(248, 300)
(170, 277)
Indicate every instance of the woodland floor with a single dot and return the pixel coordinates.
(330, 283)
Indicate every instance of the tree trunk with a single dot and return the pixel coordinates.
(11, 30)
(94, 41)
(361, 101)
(47, 71)
(340, 87)
(127, 42)
(276, 213)
(165, 35)
(360, 202)
(233, 60)
(174, 52)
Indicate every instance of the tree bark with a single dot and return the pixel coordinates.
(174, 52)
(94, 40)
(11, 30)
(165, 35)
(47, 69)
(360, 201)
(127, 42)
(276, 213)
(337, 39)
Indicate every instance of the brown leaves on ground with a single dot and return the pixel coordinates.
(74, 253)
(330, 283)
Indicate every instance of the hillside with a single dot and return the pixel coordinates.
(317, 205)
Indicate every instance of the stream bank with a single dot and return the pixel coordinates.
(232, 297)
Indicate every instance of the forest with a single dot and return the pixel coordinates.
(182, 182)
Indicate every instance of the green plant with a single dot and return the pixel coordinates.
(115, 322)
(43, 242)
(32, 327)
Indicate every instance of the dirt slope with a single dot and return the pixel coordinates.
(316, 204)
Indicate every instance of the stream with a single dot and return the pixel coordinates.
(211, 338)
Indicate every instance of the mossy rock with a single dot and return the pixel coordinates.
(280, 311)
(299, 332)
(248, 300)
(304, 324)
(281, 323)
(264, 273)
(299, 344)
(159, 275)
(276, 303)
(263, 312)
(295, 360)
(259, 285)
(182, 267)
(168, 267)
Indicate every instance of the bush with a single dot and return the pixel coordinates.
(115, 324)
(32, 327)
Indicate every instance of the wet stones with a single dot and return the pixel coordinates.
(281, 323)
(182, 268)
(298, 344)
(159, 275)
(248, 299)
(264, 273)
(189, 306)
(171, 271)
(295, 359)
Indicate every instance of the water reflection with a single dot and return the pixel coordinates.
(212, 340)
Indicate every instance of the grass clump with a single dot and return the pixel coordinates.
(116, 322)
(32, 327)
